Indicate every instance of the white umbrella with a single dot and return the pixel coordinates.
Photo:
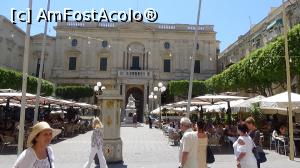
(280, 101)
(183, 109)
(193, 103)
(245, 105)
(58, 112)
(212, 99)
(220, 107)
(84, 105)
(16, 96)
(282, 111)
(156, 111)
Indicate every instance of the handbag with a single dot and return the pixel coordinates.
(259, 153)
(210, 158)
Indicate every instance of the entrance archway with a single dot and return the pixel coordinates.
(139, 101)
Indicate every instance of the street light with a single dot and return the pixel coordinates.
(98, 89)
(160, 89)
(152, 98)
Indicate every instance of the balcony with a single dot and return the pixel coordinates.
(135, 74)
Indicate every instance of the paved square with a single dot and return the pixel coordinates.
(142, 148)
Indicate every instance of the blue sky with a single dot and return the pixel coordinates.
(230, 17)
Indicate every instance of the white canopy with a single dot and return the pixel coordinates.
(217, 98)
(85, 105)
(280, 101)
(183, 109)
(15, 105)
(282, 111)
(193, 103)
(156, 111)
(221, 106)
(16, 96)
(58, 112)
(245, 105)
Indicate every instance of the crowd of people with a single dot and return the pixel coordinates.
(194, 143)
(193, 151)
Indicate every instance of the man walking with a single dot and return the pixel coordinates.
(185, 127)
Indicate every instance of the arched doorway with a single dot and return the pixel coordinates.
(138, 95)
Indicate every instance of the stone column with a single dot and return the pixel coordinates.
(145, 98)
(110, 103)
(124, 100)
(124, 60)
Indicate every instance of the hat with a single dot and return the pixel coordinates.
(39, 127)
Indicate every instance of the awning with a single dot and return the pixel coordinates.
(275, 22)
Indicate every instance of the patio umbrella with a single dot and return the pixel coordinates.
(197, 103)
(212, 99)
(282, 111)
(280, 101)
(245, 105)
(16, 96)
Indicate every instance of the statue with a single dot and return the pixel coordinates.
(131, 103)
(130, 110)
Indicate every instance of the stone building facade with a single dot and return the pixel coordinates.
(260, 34)
(129, 57)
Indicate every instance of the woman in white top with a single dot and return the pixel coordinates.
(38, 154)
(202, 144)
(97, 144)
(243, 149)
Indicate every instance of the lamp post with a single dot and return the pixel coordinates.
(152, 98)
(288, 81)
(98, 89)
(192, 61)
(38, 92)
(24, 85)
(159, 89)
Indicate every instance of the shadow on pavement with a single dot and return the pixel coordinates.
(115, 165)
(221, 150)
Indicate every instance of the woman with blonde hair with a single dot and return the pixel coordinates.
(97, 144)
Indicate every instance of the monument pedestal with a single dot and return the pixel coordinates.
(110, 105)
(130, 111)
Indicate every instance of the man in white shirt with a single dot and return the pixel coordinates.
(185, 126)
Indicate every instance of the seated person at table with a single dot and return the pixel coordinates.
(282, 130)
(230, 133)
(274, 134)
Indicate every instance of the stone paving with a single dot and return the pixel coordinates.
(142, 148)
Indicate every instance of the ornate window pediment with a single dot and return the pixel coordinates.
(136, 48)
